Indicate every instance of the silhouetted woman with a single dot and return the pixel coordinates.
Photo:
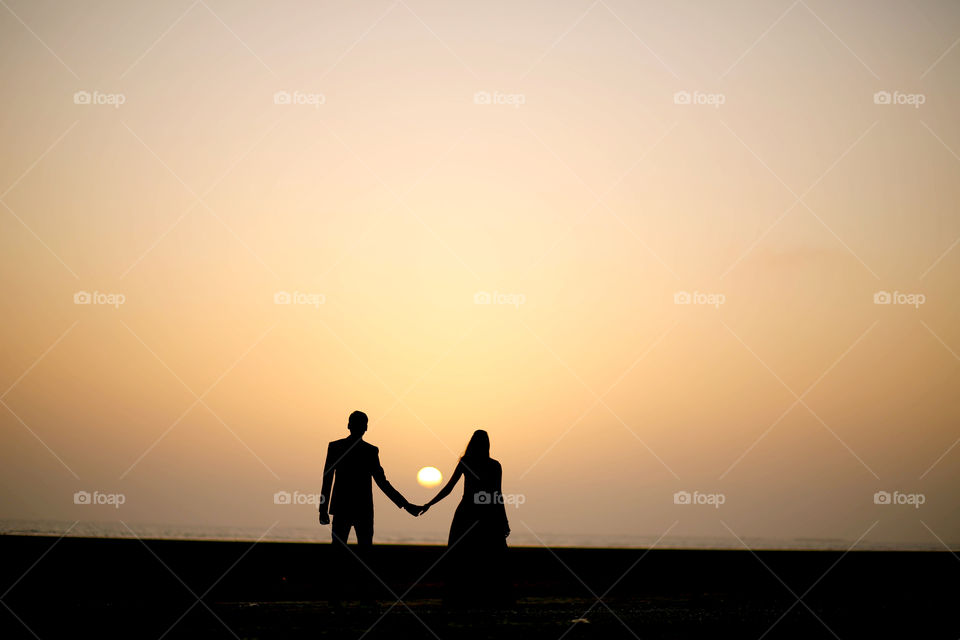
(475, 569)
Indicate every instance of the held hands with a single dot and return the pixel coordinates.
(416, 510)
(412, 509)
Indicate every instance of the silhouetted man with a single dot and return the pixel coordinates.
(350, 466)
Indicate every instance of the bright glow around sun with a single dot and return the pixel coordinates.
(429, 477)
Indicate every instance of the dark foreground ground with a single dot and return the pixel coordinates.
(94, 588)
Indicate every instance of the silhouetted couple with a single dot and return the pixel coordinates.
(474, 560)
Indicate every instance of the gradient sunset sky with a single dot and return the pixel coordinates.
(585, 163)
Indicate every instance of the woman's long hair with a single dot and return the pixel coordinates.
(479, 445)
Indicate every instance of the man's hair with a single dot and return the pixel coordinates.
(357, 419)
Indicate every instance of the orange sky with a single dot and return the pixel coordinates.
(586, 194)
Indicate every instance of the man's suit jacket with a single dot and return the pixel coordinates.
(350, 466)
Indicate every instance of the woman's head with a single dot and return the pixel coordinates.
(479, 445)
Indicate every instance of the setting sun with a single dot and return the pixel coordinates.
(429, 477)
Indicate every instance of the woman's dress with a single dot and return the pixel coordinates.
(476, 548)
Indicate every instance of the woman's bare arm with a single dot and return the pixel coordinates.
(501, 506)
(447, 488)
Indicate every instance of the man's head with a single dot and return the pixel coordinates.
(357, 423)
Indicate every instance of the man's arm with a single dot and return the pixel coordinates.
(381, 479)
(329, 468)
